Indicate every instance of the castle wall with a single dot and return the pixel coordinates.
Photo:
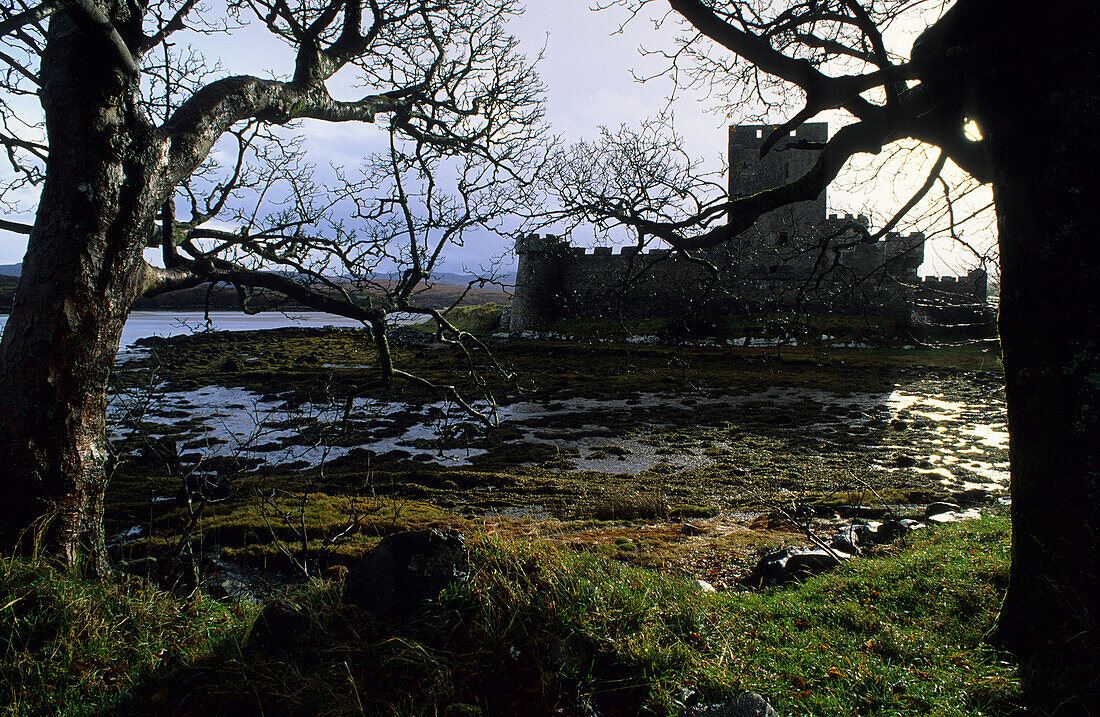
(954, 308)
(558, 281)
(972, 288)
(795, 257)
(537, 297)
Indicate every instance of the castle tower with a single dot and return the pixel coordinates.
(538, 280)
(750, 174)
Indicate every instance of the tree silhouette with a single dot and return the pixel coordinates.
(130, 122)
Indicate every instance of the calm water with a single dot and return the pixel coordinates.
(171, 323)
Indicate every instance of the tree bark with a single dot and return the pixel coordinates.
(1031, 84)
(1050, 272)
(81, 274)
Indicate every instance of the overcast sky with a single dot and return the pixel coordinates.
(586, 68)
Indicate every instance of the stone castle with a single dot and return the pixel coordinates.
(796, 258)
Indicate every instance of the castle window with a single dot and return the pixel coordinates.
(759, 134)
(784, 237)
(773, 269)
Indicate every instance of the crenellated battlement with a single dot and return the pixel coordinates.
(532, 243)
(974, 286)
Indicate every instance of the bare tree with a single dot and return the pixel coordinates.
(129, 120)
(1026, 81)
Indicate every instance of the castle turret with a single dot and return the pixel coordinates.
(789, 159)
(538, 280)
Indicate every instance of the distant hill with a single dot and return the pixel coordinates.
(222, 297)
(445, 290)
(444, 277)
(451, 279)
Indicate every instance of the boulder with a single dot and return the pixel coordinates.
(406, 569)
(811, 562)
(940, 507)
(893, 529)
(278, 627)
(853, 539)
(790, 564)
(749, 704)
(972, 497)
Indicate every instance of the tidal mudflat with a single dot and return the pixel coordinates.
(684, 459)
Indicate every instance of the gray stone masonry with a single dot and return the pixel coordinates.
(794, 257)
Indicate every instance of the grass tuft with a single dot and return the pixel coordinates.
(70, 646)
(536, 630)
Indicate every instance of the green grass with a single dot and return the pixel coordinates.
(69, 646)
(539, 630)
(478, 320)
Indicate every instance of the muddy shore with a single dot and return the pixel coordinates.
(685, 459)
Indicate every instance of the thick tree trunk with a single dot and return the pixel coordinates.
(1050, 307)
(82, 271)
(1039, 112)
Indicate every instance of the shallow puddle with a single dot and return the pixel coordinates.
(960, 443)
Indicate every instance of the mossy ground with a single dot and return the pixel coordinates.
(580, 594)
(751, 455)
(536, 630)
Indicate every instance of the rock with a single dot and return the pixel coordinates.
(693, 529)
(406, 569)
(278, 627)
(230, 589)
(230, 365)
(940, 507)
(706, 587)
(749, 704)
(790, 564)
(893, 529)
(814, 561)
(972, 497)
(853, 539)
(953, 516)
(903, 461)
(899, 425)
(771, 569)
